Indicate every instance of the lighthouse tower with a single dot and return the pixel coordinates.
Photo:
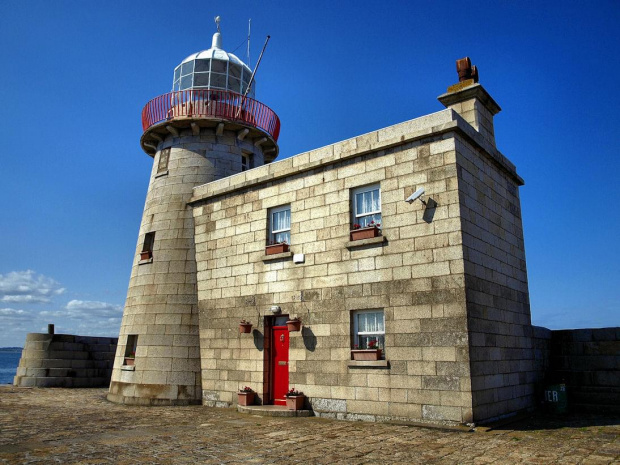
(208, 127)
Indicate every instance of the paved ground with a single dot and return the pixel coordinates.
(43, 426)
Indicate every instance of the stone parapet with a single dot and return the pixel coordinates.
(433, 125)
(64, 360)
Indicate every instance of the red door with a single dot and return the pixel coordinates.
(279, 364)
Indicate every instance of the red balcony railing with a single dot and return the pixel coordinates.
(211, 104)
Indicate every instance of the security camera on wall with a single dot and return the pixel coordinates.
(416, 195)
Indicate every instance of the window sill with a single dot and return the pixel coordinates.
(368, 364)
(144, 262)
(277, 256)
(363, 242)
(128, 368)
(163, 173)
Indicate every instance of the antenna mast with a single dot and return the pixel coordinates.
(249, 31)
(252, 77)
(256, 67)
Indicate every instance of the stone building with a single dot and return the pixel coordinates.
(440, 286)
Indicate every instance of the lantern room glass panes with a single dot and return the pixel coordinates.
(218, 81)
(202, 66)
(201, 80)
(234, 84)
(187, 68)
(234, 70)
(368, 329)
(219, 66)
(205, 73)
(186, 82)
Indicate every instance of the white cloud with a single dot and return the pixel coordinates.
(90, 309)
(13, 321)
(7, 314)
(28, 287)
(94, 308)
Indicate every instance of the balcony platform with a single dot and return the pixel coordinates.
(174, 112)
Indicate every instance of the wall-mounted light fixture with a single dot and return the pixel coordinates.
(416, 195)
(275, 309)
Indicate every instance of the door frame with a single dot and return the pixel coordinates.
(268, 382)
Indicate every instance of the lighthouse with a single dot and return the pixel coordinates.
(208, 127)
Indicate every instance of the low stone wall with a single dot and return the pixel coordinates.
(588, 362)
(64, 360)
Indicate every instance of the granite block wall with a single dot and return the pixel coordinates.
(65, 360)
(414, 273)
(588, 362)
(502, 363)
(161, 307)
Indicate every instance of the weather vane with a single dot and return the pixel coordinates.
(217, 22)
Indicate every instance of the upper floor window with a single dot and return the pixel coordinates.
(164, 156)
(246, 161)
(280, 224)
(147, 247)
(366, 206)
(130, 349)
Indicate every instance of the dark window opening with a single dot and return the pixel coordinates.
(164, 156)
(130, 349)
(147, 248)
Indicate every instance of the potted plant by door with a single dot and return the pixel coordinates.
(373, 352)
(295, 399)
(245, 326)
(294, 324)
(245, 396)
(276, 247)
(372, 230)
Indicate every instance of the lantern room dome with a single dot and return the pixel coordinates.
(213, 69)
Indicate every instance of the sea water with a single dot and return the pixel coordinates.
(8, 365)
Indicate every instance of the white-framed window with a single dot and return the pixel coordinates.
(368, 329)
(366, 206)
(247, 160)
(280, 224)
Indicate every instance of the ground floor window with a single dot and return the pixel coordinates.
(368, 329)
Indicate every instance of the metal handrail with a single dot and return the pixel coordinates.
(211, 103)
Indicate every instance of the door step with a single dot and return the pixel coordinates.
(273, 411)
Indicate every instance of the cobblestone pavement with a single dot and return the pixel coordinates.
(43, 426)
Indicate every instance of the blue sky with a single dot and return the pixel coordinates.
(75, 76)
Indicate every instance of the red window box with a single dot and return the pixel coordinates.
(369, 355)
(365, 233)
(276, 248)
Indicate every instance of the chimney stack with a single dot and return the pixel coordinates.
(470, 100)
